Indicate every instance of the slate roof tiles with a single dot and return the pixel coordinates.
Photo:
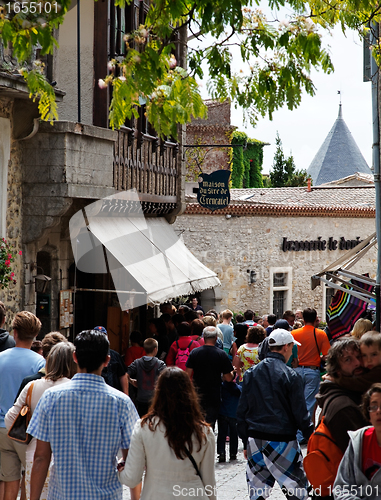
(325, 201)
(338, 157)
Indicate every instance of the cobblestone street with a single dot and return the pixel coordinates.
(231, 481)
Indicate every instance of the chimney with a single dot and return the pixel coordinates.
(309, 185)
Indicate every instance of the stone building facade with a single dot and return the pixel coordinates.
(48, 172)
(214, 130)
(11, 205)
(254, 232)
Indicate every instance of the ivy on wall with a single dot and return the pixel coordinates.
(238, 167)
(247, 162)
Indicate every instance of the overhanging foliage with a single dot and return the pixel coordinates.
(276, 56)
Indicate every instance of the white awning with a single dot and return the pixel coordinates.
(146, 259)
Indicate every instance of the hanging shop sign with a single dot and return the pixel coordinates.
(213, 192)
(319, 244)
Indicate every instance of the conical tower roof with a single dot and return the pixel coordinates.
(338, 157)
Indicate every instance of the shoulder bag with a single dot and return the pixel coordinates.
(18, 430)
(193, 462)
(322, 363)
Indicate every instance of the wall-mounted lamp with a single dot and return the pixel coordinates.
(252, 276)
(42, 281)
(228, 216)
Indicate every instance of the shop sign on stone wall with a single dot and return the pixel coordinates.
(319, 244)
(213, 192)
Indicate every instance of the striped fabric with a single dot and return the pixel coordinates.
(272, 460)
(86, 422)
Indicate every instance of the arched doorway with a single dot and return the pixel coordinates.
(44, 293)
(211, 299)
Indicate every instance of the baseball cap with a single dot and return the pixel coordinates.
(283, 324)
(100, 329)
(281, 337)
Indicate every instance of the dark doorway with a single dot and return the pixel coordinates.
(43, 307)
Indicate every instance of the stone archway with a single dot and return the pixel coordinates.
(211, 299)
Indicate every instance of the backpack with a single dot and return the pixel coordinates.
(182, 355)
(322, 460)
(263, 349)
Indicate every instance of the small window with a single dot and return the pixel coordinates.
(280, 290)
(279, 301)
(279, 279)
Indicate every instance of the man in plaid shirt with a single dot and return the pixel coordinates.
(83, 424)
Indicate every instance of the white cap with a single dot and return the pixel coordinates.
(281, 337)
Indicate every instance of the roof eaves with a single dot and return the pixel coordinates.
(279, 210)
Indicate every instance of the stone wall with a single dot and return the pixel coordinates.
(57, 244)
(216, 129)
(232, 246)
(60, 163)
(64, 167)
(12, 297)
(218, 114)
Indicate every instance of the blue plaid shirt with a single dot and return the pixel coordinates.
(86, 422)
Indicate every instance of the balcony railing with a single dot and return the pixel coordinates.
(148, 164)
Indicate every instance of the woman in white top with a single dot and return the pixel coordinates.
(167, 439)
(60, 368)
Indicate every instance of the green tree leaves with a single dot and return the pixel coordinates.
(26, 24)
(41, 89)
(276, 56)
(284, 173)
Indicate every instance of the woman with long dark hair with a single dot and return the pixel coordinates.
(174, 443)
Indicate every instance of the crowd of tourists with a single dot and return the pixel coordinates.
(148, 418)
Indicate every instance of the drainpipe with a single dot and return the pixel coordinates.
(376, 164)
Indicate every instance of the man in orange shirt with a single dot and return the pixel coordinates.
(314, 346)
